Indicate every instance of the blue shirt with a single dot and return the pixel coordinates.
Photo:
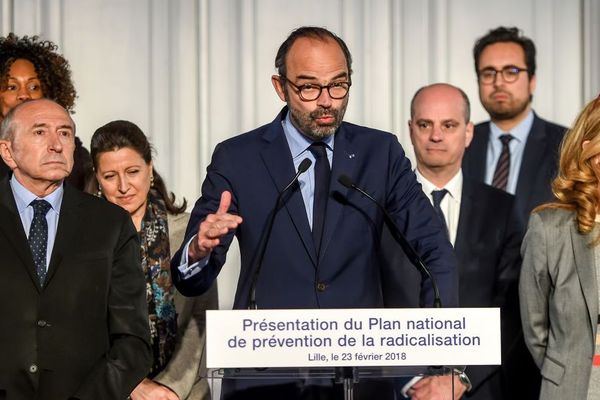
(299, 145)
(23, 199)
(516, 147)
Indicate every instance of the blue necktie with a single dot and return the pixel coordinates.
(38, 237)
(322, 176)
(438, 196)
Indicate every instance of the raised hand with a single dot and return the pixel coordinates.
(212, 229)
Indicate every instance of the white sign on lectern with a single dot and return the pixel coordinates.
(352, 337)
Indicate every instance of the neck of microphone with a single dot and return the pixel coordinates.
(264, 240)
(400, 239)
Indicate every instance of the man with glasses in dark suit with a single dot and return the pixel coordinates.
(516, 151)
(324, 248)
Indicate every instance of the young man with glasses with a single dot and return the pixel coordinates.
(515, 151)
(323, 251)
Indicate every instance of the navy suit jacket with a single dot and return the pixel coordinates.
(487, 245)
(538, 168)
(255, 166)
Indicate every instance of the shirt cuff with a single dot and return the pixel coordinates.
(188, 271)
(410, 383)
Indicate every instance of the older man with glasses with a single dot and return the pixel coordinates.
(515, 151)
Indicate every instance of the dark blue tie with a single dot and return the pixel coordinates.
(38, 237)
(322, 176)
(438, 196)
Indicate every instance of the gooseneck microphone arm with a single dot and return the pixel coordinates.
(400, 238)
(304, 165)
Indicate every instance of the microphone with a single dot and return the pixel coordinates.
(302, 168)
(410, 252)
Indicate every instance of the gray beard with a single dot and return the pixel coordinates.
(305, 122)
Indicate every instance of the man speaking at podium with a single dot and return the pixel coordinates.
(310, 242)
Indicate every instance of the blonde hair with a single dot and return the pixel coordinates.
(577, 185)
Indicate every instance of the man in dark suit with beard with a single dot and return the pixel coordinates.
(324, 247)
(72, 294)
(480, 223)
(516, 151)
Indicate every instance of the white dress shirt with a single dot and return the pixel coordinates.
(450, 204)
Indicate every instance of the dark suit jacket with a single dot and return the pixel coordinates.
(487, 248)
(255, 166)
(538, 168)
(4, 170)
(84, 334)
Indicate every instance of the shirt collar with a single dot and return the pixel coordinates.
(297, 142)
(454, 185)
(24, 197)
(519, 132)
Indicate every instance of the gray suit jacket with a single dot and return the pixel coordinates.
(559, 302)
(186, 371)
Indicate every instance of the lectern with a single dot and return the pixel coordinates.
(349, 345)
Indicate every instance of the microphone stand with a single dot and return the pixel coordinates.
(399, 237)
(304, 165)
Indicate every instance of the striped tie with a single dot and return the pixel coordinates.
(437, 196)
(503, 167)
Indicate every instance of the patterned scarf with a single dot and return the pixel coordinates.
(154, 238)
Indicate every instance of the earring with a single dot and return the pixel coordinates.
(99, 192)
(151, 180)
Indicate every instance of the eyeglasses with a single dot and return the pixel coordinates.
(510, 73)
(312, 91)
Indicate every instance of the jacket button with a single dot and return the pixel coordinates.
(321, 287)
(33, 368)
(41, 323)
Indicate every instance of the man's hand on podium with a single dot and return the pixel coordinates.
(437, 388)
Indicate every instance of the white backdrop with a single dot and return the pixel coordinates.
(192, 73)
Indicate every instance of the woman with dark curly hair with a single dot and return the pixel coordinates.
(561, 269)
(31, 68)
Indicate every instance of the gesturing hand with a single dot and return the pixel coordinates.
(212, 229)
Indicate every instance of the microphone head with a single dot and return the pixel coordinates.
(346, 181)
(304, 165)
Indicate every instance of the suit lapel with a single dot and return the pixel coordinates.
(534, 150)
(343, 164)
(66, 233)
(12, 228)
(585, 265)
(468, 209)
(478, 152)
(278, 160)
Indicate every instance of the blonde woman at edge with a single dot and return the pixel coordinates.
(561, 264)
(124, 175)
